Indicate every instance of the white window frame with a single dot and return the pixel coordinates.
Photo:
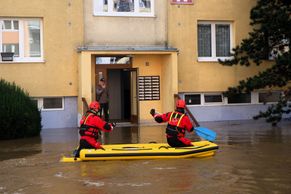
(212, 103)
(136, 12)
(12, 25)
(40, 104)
(213, 41)
(21, 57)
(254, 99)
(202, 98)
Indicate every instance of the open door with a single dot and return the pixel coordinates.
(123, 103)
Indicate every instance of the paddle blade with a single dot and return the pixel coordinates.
(205, 133)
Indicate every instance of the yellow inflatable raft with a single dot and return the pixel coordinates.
(145, 151)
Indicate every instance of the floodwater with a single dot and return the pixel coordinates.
(253, 157)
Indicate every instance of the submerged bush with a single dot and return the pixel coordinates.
(19, 115)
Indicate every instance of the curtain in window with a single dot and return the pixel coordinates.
(144, 5)
(32, 38)
(101, 6)
(222, 40)
(125, 5)
(204, 40)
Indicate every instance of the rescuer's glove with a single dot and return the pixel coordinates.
(113, 124)
(153, 112)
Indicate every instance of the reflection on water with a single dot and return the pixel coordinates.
(253, 158)
(19, 148)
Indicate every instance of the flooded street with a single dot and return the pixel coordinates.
(253, 157)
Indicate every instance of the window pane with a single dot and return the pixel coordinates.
(101, 5)
(212, 98)
(222, 40)
(145, 6)
(193, 99)
(10, 37)
(14, 48)
(269, 96)
(7, 25)
(113, 60)
(32, 38)
(52, 103)
(124, 5)
(239, 98)
(15, 24)
(204, 40)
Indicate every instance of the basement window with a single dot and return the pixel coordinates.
(212, 98)
(240, 99)
(193, 99)
(265, 97)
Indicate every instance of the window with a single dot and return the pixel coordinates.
(239, 98)
(123, 7)
(193, 99)
(212, 98)
(52, 103)
(113, 60)
(181, 2)
(214, 40)
(23, 37)
(269, 96)
(49, 103)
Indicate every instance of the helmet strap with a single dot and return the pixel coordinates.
(180, 110)
(93, 111)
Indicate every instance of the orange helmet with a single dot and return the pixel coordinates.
(94, 105)
(180, 104)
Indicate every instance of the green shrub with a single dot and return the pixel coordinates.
(19, 115)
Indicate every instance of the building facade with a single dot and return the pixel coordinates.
(203, 32)
(125, 42)
(147, 51)
(44, 35)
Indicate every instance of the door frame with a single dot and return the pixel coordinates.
(134, 118)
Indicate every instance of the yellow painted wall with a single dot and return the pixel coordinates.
(153, 68)
(111, 30)
(170, 80)
(197, 76)
(62, 34)
(166, 67)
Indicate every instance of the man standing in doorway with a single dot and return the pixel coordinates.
(102, 96)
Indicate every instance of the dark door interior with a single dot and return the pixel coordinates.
(119, 95)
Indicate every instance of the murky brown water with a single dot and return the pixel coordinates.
(253, 158)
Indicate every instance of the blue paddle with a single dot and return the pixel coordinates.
(205, 133)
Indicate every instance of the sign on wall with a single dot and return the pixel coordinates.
(149, 88)
(182, 1)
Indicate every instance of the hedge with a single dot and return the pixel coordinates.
(19, 115)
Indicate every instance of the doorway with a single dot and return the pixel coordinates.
(122, 86)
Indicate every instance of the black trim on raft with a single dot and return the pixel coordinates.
(152, 154)
(130, 149)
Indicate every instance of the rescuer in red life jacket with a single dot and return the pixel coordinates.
(178, 124)
(90, 126)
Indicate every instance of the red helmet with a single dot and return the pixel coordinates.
(180, 104)
(94, 105)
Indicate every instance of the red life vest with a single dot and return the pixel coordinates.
(86, 129)
(173, 127)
